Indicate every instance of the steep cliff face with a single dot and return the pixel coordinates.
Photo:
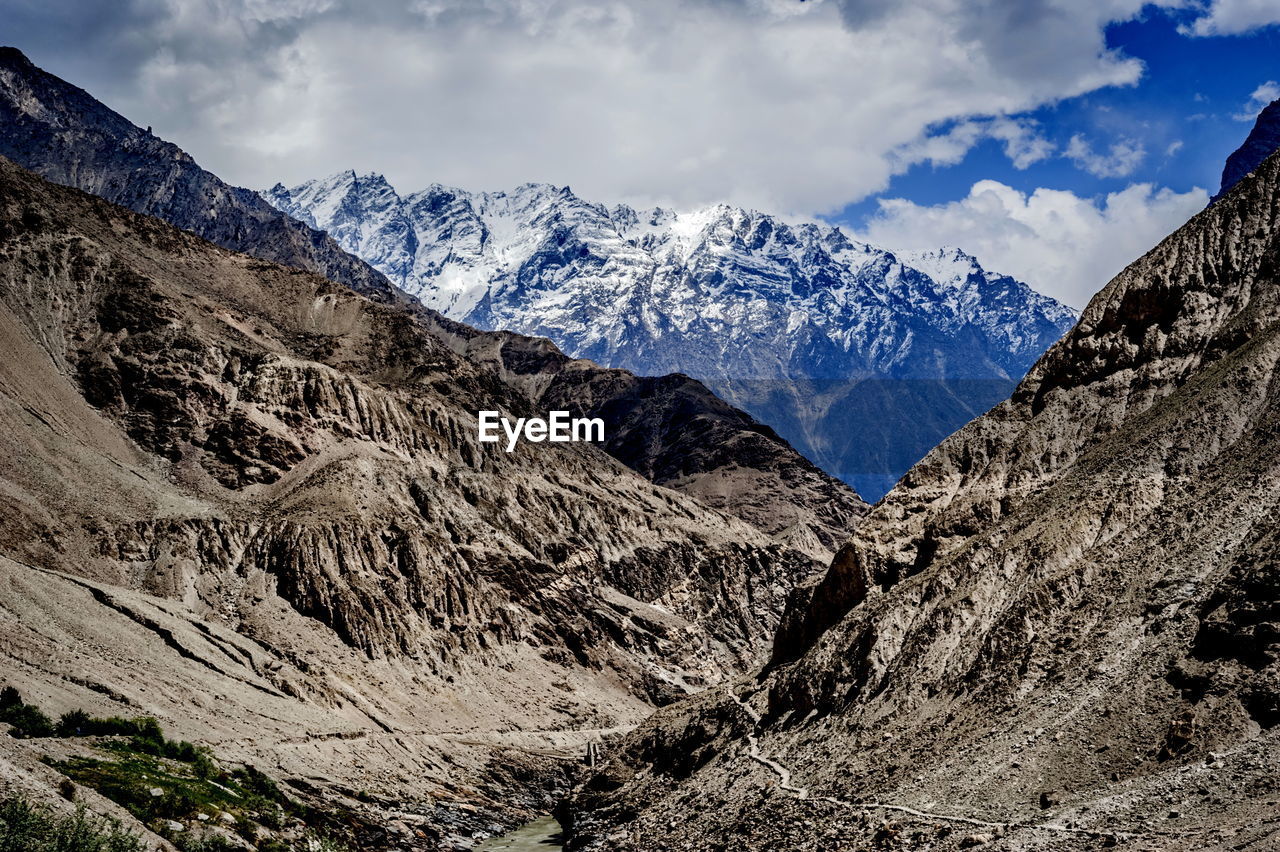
(1057, 632)
(1262, 141)
(62, 133)
(277, 481)
(862, 359)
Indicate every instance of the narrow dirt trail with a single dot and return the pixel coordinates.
(785, 783)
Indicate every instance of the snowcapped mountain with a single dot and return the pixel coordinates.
(863, 359)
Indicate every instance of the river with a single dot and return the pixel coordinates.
(541, 835)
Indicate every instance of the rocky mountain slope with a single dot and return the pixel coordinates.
(861, 359)
(246, 500)
(59, 131)
(1058, 632)
(62, 133)
(1262, 140)
(675, 432)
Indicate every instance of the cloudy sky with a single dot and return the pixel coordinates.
(1055, 139)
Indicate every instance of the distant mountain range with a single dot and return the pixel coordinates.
(861, 358)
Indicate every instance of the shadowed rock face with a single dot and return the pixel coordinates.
(247, 500)
(1261, 142)
(677, 433)
(1073, 596)
(60, 132)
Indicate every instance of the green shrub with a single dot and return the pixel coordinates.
(203, 765)
(148, 728)
(27, 721)
(112, 726)
(20, 822)
(74, 723)
(30, 828)
(174, 804)
(271, 816)
(256, 782)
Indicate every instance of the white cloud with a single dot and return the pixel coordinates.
(1122, 158)
(1233, 17)
(1263, 95)
(789, 106)
(1023, 144)
(1065, 246)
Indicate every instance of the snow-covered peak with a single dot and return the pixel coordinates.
(479, 256)
(739, 298)
(948, 266)
(362, 212)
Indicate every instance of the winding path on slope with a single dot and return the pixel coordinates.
(785, 783)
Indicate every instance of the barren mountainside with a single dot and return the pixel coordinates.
(248, 501)
(1057, 632)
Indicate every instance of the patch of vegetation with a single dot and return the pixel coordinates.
(25, 827)
(156, 788)
(144, 733)
(160, 781)
(27, 721)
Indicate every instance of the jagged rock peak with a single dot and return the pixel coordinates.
(1262, 140)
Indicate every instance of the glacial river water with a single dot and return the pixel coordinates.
(541, 835)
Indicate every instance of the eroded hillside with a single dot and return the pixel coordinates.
(248, 501)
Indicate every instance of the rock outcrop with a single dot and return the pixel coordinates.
(1057, 632)
(1262, 141)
